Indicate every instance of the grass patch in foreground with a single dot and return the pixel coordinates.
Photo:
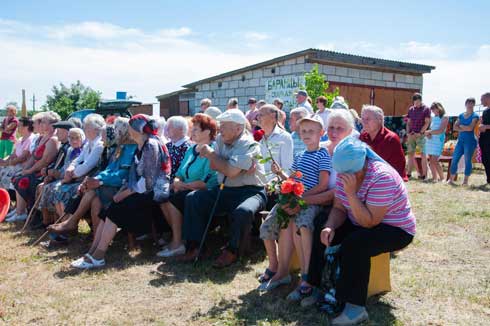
(443, 278)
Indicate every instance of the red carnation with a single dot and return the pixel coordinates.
(23, 183)
(287, 187)
(258, 135)
(298, 174)
(298, 189)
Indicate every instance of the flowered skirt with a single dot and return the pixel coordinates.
(7, 173)
(47, 197)
(26, 186)
(64, 192)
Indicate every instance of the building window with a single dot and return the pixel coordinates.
(220, 84)
(243, 77)
(273, 70)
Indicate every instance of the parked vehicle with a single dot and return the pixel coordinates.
(107, 108)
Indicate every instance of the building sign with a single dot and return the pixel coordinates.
(284, 88)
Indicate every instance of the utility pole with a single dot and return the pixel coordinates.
(33, 100)
(24, 108)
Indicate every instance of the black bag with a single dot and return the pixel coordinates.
(330, 277)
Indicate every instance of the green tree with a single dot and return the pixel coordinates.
(66, 100)
(316, 85)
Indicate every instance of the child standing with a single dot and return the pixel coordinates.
(314, 163)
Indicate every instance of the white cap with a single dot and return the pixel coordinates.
(339, 103)
(232, 115)
(213, 112)
(314, 118)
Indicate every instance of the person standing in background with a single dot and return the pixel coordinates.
(8, 128)
(418, 122)
(485, 135)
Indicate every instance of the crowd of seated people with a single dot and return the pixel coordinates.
(125, 175)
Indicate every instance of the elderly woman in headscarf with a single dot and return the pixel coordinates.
(371, 215)
(133, 207)
(97, 192)
(84, 164)
(44, 152)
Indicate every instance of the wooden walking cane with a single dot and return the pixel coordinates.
(211, 215)
(34, 208)
(36, 203)
(47, 232)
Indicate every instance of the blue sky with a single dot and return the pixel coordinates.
(152, 47)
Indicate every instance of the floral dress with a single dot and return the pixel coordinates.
(50, 190)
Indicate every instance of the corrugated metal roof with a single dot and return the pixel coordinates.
(328, 56)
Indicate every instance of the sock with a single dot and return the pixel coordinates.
(352, 310)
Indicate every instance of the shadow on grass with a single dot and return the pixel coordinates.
(171, 271)
(254, 307)
(380, 313)
(484, 187)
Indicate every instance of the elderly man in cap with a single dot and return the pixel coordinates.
(243, 194)
(301, 100)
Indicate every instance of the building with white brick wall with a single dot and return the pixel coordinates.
(361, 80)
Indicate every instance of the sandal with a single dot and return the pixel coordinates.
(81, 263)
(300, 292)
(266, 276)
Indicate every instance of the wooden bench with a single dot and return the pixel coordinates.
(442, 159)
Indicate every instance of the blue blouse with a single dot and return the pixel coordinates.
(118, 169)
(196, 168)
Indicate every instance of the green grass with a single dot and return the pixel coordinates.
(442, 278)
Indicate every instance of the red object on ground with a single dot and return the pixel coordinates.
(4, 204)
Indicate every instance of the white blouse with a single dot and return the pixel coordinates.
(89, 157)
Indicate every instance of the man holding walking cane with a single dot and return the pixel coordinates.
(243, 194)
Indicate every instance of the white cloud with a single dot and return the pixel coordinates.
(256, 36)
(143, 64)
(109, 58)
(456, 77)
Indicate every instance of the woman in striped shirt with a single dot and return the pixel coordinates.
(371, 215)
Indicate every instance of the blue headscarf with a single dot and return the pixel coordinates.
(349, 156)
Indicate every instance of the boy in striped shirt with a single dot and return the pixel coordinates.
(315, 165)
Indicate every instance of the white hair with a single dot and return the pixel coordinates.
(375, 110)
(344, 115)
(38, 116)
(162, 122)
(179, 122)
(51, 117)
(121, 126)
(206, 101)
(95, 121)
(299, 112)
(77, 131)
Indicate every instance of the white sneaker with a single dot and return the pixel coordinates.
(11, 213)
(17, 218)
(167, 252)
(80, 263)
(10, 219)
(21, 217)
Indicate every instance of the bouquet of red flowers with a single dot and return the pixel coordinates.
(290, 194)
